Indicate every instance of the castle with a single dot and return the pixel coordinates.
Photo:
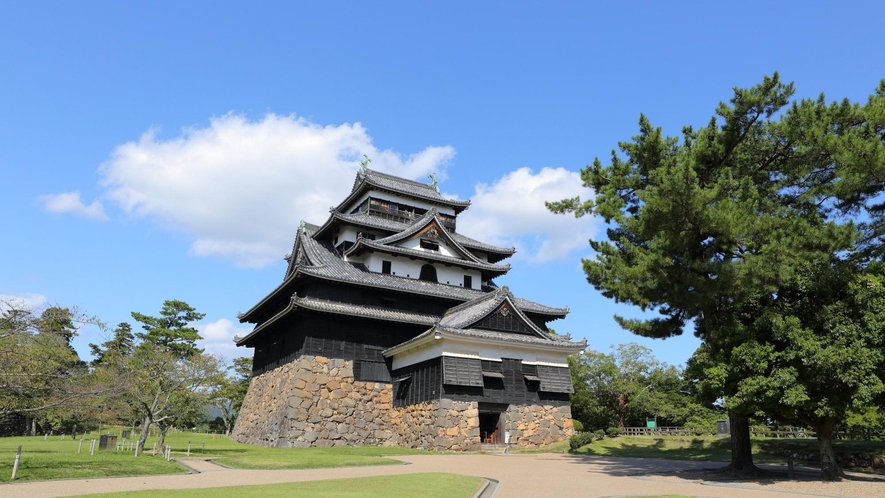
(388, 329)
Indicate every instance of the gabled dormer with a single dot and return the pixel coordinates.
(426, 251)
(495, 311)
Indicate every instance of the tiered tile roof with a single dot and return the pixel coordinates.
(339, 308)
(375, 180)
(368, 221)
(570, 347)
(467, 260)
(469, 313)
(320, 261)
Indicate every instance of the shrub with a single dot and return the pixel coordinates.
(579, 440)
(599, 434)
(613, 432)
(579, 427)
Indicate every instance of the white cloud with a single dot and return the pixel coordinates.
(239, 187)
(69, 202)
(27, 300)
(511, 212)
(218, 338)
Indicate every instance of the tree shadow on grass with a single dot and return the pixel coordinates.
(695, 470)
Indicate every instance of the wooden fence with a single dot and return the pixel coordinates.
(661, 431)
(794, 433)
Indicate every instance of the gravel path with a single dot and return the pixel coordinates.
(532, 476)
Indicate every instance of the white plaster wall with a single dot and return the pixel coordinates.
(405, 267)
(415, 244)
(359, 200)
(529, 354)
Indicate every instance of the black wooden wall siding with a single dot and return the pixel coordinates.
(508, 323)
(371, 371)
(342, 337)
(462, 371)
(555, 379)
(378, 297)
(417, 383)
(512, 389)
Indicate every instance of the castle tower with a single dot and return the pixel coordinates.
(388, 329)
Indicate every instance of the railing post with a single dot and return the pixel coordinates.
(18, 457)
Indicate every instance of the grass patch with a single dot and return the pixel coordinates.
(311, 458)
(402, 486)
(58, 459)
(560, 447)
(706, 448)
(713, 448)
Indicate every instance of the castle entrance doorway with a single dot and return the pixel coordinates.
(491, 423)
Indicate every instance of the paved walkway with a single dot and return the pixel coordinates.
(532, 476)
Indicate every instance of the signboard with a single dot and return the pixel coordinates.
(651, 424)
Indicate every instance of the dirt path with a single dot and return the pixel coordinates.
(533, 476)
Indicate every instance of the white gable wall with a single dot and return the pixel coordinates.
(443, 248)
(409, 268)
(468, 349)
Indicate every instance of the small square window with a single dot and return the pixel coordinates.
(429, 245)
(468, 281)
(385, 267)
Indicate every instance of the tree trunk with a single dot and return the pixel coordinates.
(829, 467)
(741, 448)
(143, 435)
(162, 441)
(622, 410)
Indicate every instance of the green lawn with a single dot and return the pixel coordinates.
(712, 448)
(403, 486)
(57, 459)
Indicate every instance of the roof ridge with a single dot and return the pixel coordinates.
(430, 217)
(467, 304)
(388, 175)
(429, 255)
(485, 306)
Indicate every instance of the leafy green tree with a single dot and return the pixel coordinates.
(700, 225)
(812, 353)
(39, 369)
(627, 387)
(162, 368)
(229, 391)
(121, 344)
(170, 330)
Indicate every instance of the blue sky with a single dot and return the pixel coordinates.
(162, 150)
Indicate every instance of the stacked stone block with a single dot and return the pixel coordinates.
(315, 401)
(537, 425)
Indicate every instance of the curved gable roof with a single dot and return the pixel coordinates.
(375, 180)
(469, 314)
(428, 222)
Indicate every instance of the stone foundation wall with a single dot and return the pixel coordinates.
(537, 425)
(443, 425)
(315, 401)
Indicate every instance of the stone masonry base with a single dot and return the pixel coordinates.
(315, 401)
